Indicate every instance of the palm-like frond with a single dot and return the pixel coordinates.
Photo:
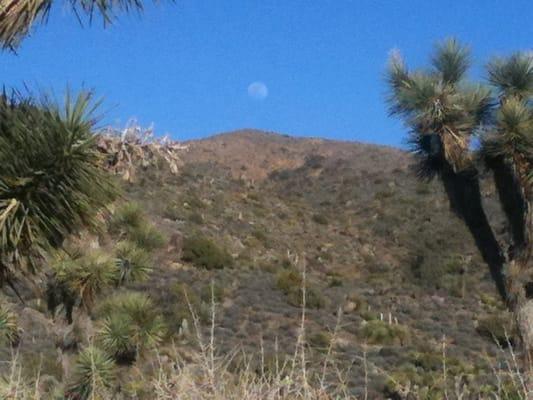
(134, 264)
(18, 16)
(451, 60)
(512, 139)
(9, 328)
(94, 375)
(437, 103)
(51, 182)
(86, 276)
(513, 76)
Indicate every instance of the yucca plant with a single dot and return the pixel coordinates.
(133, 316)
(116, 337)
(126, 217)
(134, 264)
(94, 376)
(147, 237)
(86, 276)
(18, 16)
(51, 182)
(9, 328)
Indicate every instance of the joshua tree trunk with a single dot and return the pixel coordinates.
(464, 195)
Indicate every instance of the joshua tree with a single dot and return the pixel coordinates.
(443, 112)
(18, 16)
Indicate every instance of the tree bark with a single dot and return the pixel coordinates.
(464, 194)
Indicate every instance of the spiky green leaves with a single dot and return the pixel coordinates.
(131, 324)
(87, 275)
(94, 376)
(18, 16)
(9, 329)
(451, 60)
(513, 76)
(51, 182)
(439, 104)
(134, 263)
(511, 137)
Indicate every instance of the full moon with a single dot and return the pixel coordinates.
(257, 90)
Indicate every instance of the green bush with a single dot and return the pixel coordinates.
(134, 264)
(497, 328)
(320, 219)
(85, 275)
(94, 375)
(289, 281)
(147, 237)
(131, 323)
(129, 221)
(126, 217)
(204, 253)
(9, 329)
(320, 340)
(383, 333)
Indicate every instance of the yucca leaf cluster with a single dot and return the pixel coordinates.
(94, 376)
(18, 16)
(130, 324)
(51, 180)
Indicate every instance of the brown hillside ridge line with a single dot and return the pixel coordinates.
(255, 154)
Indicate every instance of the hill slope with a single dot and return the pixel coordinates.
(376, 243)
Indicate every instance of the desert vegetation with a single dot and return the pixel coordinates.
(253, 265)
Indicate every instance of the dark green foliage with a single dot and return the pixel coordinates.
(9, 329)
(320, 219)
(290, 282)
(204, 253)
(381, 332)
(498, 328)
(134, 264)
(129, 221)
(52, 183)
(131, 323)
(82, 277)
(127, 217)
(94, 375)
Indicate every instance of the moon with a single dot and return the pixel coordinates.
(257, 90)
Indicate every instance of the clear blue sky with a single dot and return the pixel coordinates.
(186, 67)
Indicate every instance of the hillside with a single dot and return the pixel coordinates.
(377, 244)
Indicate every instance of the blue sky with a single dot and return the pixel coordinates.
(187, 67)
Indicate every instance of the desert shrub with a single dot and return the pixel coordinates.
(196, 218)
(199, 307)
(115, 337)
(131, 324)
(94, 375)
(497, 328)
(289, 281)
(204, 253)
(126, 217)
(320, 340)
(320, 219)
(134, 263)
(129, 221)
(209, 290)
(147, 237)
(383, 333)
(85, 275)
(313, 298)
(172, 211)
(9, 329)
